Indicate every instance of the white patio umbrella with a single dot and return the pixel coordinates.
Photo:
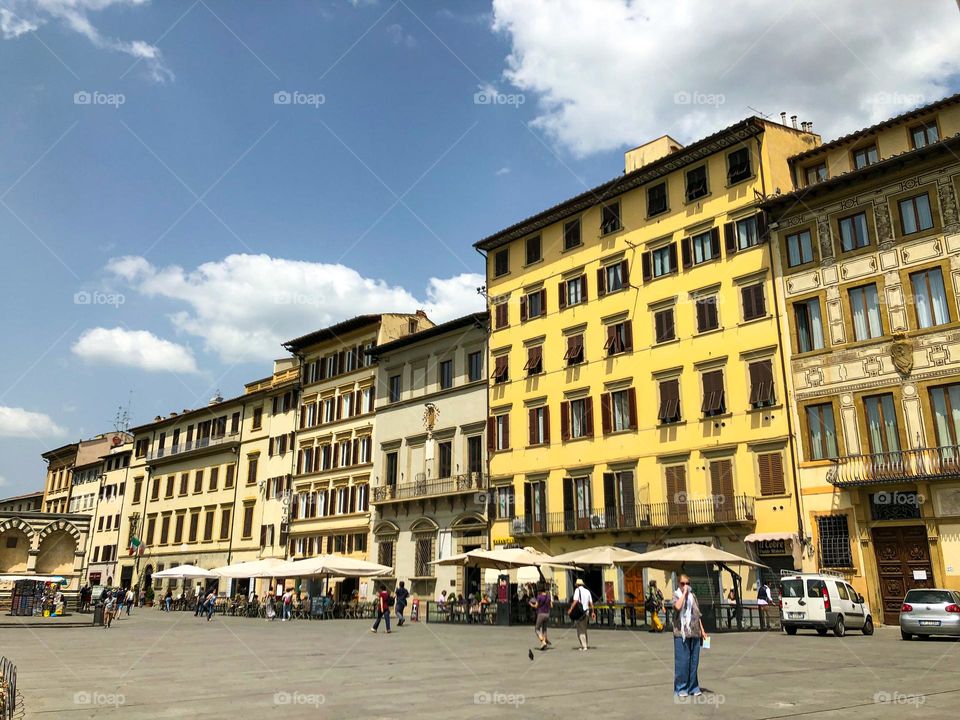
(676, 556)
(184, 572)
(606, 555)
(38, 578)
(253, 569)
(331, 565)
(503, 559)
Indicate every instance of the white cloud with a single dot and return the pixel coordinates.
(133, 348)
(245, 306)
(503, 171)
(607, 73)
(399, 36)
(17, 422)
(23, 16)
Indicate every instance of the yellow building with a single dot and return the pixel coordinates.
(330, 511)
(109, 528)
(194, 488)
(868, 251)
(637, 391)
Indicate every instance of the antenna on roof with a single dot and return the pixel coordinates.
(758, 112)
(121, 423)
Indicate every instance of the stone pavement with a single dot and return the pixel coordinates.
(155, 665)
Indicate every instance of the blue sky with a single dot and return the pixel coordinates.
(160, 240)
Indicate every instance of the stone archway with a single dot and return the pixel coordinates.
(56, 553)
(14, 550)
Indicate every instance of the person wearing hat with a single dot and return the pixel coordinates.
(581, 610)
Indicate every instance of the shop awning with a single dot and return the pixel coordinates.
(762, 537)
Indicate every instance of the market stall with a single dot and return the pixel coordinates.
(36, 595)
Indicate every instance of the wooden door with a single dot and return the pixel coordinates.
(633, 585)
(900, 552)
(721, 487)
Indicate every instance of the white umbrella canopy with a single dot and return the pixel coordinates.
(38, 578)
(331, 565)
(252, 569)
(181, 572)
(503, 559)
(606, 555)
(674, 557)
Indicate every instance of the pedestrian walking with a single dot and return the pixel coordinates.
(128, 600)
(653, 605)
(168, 600)
(542, 603)
(688, 636)
(271, 610)
(581, 611)
(402, 595)
(211, 604)
(383, 609)
(143, 598)
(198, 597)
(109, 609)
(287, 600)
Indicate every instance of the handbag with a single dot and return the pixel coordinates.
(576, 610)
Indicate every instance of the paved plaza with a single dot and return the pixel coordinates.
(158, 665)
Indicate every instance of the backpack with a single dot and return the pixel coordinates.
(390, 600)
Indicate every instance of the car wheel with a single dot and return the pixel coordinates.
(905, 635)
(868, 627)
(790, 630)
(839, 629)
(821, 631)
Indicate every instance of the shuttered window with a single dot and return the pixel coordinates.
(572, 291)
(574, 354)
(707, 316)
(533, 305)
(534, 364)
(618, 411)
(500, 315)
(770, 466)
(761, 384)
(721, 487)
(754, 303)
(669, 401)
(664, 325)
(714, 402)
(539, 420)
(610, 218)
(619, 338)
(676, 477)
(500, 370)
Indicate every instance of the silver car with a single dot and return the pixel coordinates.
(930, 611)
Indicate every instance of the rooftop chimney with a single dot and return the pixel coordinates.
(793, 119)
(783, 118)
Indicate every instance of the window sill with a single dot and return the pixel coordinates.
(734, 183)
(703, 262)
(765, 408)
(815, 463)
(672, 273)
(531, 264)
(572, 248)
(844, 254)
(776, 496)
(755, 320)
(694, 201)
(578, 439)
(711, 331)
(497, 277)
(916, 234)
(665, 211)
(625, 431)
(671, 341)
(609, 233)
(803, 267)
(812, 353)
(676, 423)
(719, 416)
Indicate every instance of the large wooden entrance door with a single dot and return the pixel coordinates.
(901, 553)
(633, 585)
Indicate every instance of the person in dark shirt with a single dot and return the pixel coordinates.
(402, 594)
(383, 609)
(542, 603)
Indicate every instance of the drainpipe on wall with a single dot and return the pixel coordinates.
(781, 346)
(236, 483)
(486, 424)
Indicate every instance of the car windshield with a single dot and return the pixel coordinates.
(815, 588)
(792, 589)
(928, 596)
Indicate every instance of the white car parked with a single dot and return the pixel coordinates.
(822, 602)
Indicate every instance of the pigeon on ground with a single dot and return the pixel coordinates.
(530, 654)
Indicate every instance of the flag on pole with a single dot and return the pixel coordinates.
(136, 547)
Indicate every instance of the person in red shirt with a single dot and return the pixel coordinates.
(383, 608)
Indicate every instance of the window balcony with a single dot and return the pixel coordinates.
(937, 463)
(424, 487)
(195, 447)
(736, 509)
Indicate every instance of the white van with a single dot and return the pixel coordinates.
(822, 602)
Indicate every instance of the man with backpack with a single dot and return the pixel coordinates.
(653, 605)
(401, 602)
(764, 600)
(581, 610)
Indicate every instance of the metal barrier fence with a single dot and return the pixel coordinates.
(8, 688)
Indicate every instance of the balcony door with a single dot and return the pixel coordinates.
(945, 403)
(535, 507)
(883, 435)
(619, 500)
(577, 503)
(721, 490)
(676, 476)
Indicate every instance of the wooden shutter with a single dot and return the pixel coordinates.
(632, 401)
(605, 419)
(673, 257)
(625, 273)
(569, 511)
(686, 252)
(501, 315)
(532, 419)
(610, 495)
(565, 421)
(753, 305)
(270, 447)
(771, 474)
(543, 301)
(356, 454)
(528, 505)
(627, 335)
(546, 424)
(562, 293)
(506, 432)
(583, 288)
(658, 326)
(676, 477)
(702, 318)
(491, 434)
(523, 308)
(721, 487)
(763, 232)
(588, 415)
(712, 391)
(601, 282)
(715, 242)
(669, 400)
(646, 267)
(761, 382)
(729, 238)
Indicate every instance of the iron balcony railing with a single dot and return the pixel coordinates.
(197, 444)
(431, 487)
(899, 466)
(718, 510)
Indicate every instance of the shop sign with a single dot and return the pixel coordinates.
(772, 547)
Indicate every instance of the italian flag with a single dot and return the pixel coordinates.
(136, 547)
